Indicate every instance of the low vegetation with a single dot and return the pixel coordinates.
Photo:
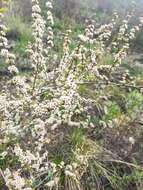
(71, 107)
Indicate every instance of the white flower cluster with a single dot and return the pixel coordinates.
(35, 50)
(3, 39)
(32, 118)
(66, 42)
(50, 23)
(141, 21)
(14, 180)
(49, 13)
(122, 43)
(4, 52)
(89, 31)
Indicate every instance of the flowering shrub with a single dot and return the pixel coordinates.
(33, 108)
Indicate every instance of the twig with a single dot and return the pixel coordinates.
(112, 83)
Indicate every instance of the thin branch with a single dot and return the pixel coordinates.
(111, 83)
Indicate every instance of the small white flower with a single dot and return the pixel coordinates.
(141, 20)
(18, 182)
(132, 140)
(83, 38)
(49, 5)
(36, 8)
(13, 69)
(50, 183)
(4, 53)
(70, 174)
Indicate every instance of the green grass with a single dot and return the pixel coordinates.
(138, 42)
(113, 111)
(134, 103)
(21, 31)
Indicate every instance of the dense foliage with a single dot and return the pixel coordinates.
(61, 123)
